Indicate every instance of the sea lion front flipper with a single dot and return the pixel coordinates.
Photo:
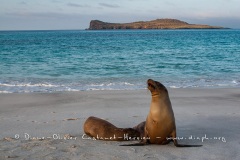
(174, 138)
(143, 142)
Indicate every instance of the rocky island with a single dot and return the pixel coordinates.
(154, 24)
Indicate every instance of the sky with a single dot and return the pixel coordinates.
(77, 14)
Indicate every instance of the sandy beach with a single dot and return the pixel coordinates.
(49, 125)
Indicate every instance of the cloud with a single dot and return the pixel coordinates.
(170, 3)
(109, 5)
(41, 15)
(56, 1)
(77, 5)
(23, 3)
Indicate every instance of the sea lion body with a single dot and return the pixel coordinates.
(103, 130)
(160, 127)
(160, 122)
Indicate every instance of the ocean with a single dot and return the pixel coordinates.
(82, 60)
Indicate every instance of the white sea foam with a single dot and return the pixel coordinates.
(51, 87)
(72, 90)
(93, 89)
(110, 84)
(5, 92)
(21, 87)
(129, 84)
(235, 82)
(174, 87)
(97, 85)
(29, 85)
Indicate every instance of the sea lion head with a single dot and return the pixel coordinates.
(156, 87)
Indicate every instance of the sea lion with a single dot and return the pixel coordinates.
(160, 127)
(140, 128)
(103, 130)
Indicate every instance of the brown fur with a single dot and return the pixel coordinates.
(140, 128)
(104, 130)
(160, 127)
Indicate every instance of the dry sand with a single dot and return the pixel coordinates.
(40, 125)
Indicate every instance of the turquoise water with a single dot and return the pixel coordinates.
(47, 61)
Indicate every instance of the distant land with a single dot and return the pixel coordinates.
(154, 24)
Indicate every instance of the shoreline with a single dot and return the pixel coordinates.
(200, 113)
(106, 90)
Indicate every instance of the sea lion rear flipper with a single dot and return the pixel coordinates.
(174, 135)
(185, 145)
(141, 143)
(135, 144)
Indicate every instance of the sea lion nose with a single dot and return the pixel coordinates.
(149, 80)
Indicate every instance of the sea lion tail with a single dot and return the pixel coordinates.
(141, 143)
(134, 144)
(184, 145)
